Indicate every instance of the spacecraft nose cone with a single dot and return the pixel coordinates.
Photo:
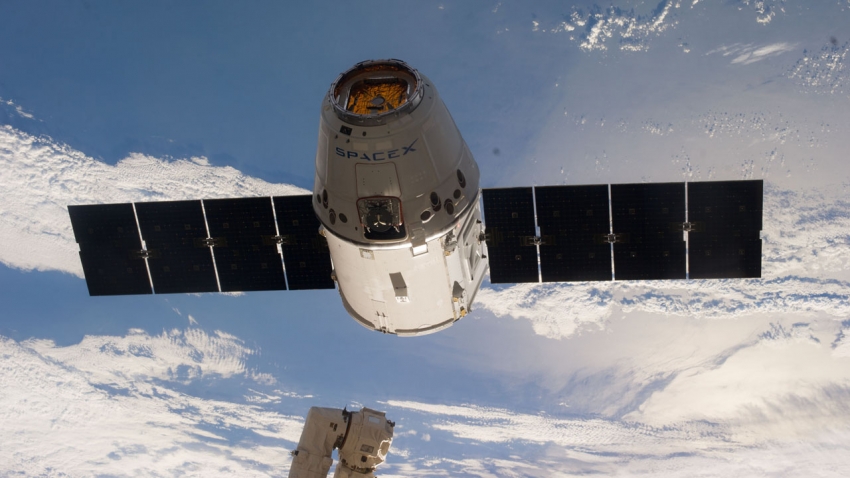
(375, 92)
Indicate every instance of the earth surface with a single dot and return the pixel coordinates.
(114, 102)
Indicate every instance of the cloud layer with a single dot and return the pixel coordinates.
(600, 27)
(109, 405)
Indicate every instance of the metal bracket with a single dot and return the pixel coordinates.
(612, 238)
(144, 254)
(538, 240)
(417, 240)
(449, 243)
(210, 242)
(283, 240)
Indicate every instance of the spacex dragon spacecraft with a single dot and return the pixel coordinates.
(395, 222)
(391, 158)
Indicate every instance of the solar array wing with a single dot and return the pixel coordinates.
(724, 224)
(510, 231)
(726, 220)
(246, 257)
(647, 219)
(110, 249)
(179, 259)
(573, 221)
(305, 251)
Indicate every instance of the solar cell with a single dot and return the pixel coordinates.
(174, 232)
(246, 259)
(509, 213)
(648, 220)
(109, 249)
(726, 219)
(572, 221)
(305, 251)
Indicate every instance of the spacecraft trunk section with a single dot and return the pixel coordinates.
(396, 191)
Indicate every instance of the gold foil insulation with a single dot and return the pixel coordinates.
(376, 95)
(375, 88)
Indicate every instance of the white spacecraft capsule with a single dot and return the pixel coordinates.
(396, 192)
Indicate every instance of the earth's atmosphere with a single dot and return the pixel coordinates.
(114, 102)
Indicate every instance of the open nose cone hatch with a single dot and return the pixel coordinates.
(372, 91)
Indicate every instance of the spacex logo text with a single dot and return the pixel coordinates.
(378, 156)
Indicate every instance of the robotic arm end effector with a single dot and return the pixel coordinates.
(362, 437)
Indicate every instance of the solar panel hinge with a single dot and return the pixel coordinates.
(210, 242)
(538, 240)
(611, 238)
(493, 236)
(144, 254)
(283, 240)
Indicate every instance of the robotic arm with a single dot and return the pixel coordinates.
(363, 439)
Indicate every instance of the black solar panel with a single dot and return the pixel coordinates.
(727, 219)
(305, 251)
(109, 249)
(648, 219)
(245, 256)
(572, 221)
(510, 226)
(173, 232)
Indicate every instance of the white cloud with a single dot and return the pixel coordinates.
(601, 25)
(17, 109)
(780, 388)
(501, 426)
(749, 54)
(622, 26)
(96, 408)
(178, 355)
(570, 447)
(746, 54)
(826, 71)
(765, 9)
(40, 178)
(108, 405)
